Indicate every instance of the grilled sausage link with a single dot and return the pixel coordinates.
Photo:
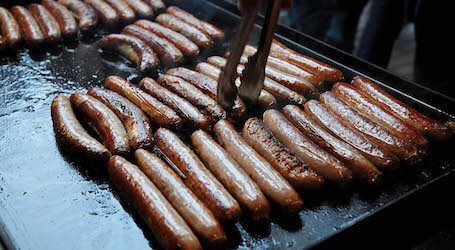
(376, 133)
(141, 8)
(133, 49)
(185, 45)
(48, 24)
(317, 159)
(272, 184)
(70, 133)
(86, 15)
(11, 31)
(361, 167)
(65, 19)
(378, 114)
(135, 121)
(234, 178)
(123, 9)
(157, 5)
(196, 214)
(107, 14)
(290, 167)
(189, 114)
(207, 28)
(197, 177)
(164, 221)
(159, 113)
(429, 127)
(30, 28)
(191, 32)
(168, 53)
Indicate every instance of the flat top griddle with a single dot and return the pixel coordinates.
(51, 200)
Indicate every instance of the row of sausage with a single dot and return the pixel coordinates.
(50, 21)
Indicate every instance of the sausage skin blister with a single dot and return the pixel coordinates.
(64, 18)
(48, 24)
(166, 224)
(201, 220)
(234, 178)
(11, 31)
(197, 177)
(31, 31)
(86, 15)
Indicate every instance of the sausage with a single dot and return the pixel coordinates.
(208, 86)
(191, 32)
(141, 8)
(272, 184)
(11, 31)
(376, 113)
(189, 114)
(107, 14)
(372, 130)
(157, 5)
(2, 43)
(168, 227)
(428, 127)
(136, 123)
(47, 23)
(185, 45)
(86, 15)
(361, 167)
(315, 157)
(65, 19)
(132, 48)
(265, 99)
(197, 177)
(70, 133)
(207, 28)
(30, 28)
(277, 90)
(233, 177)
(203, 102)
(167, 52)
(203, 223)
(123, 9)
(325, 71)
(381, 158)
(158, 113)
(294, 170)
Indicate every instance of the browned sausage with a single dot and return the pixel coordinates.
(376, 133)
(378, 114)
(107, 14)
(208, 106)
(167, 52)
(30, 28)
(290, 167)
(2, 43)
(141, 8)
(157, 5)
(265, 99)
(208, 86)
(196, 214)
(135, 121)
(159, 113)
(425, 125)
(86, 15)
(191, 32)
(104, 121)
(209, 29)
(189, 114)
(123, 9)
(373, 152)
(132, 48)
(166, 224)
(70, 133)
(315, 157)
(234, 178)
(272, 184)
(361, 167)
(185, 45)
(327, 72)
(11, 31)
(197, 177)
(279, 91)
(64, 18)
(48, 24)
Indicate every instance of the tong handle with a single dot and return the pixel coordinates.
(268, 29)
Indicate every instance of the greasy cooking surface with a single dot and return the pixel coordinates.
(51, 200)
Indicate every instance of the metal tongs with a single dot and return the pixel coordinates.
(252, 79)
